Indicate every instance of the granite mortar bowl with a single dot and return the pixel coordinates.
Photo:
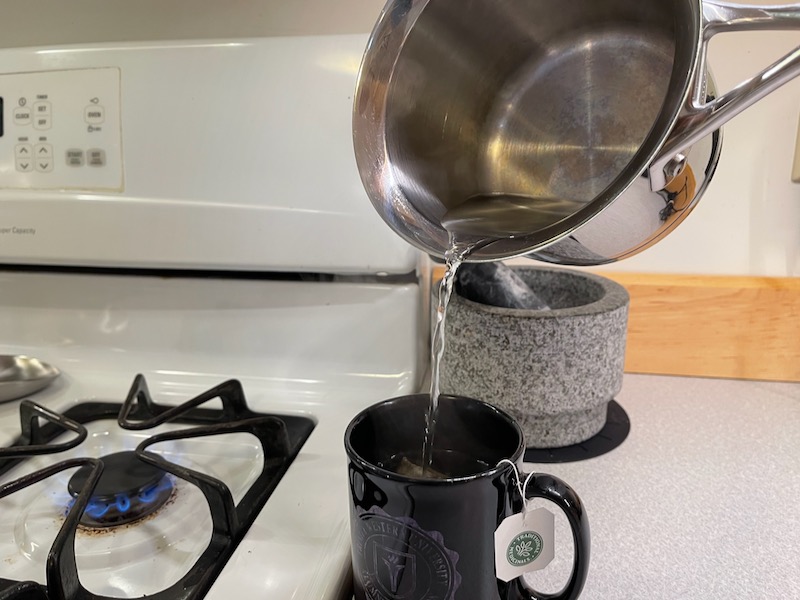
(553, 370)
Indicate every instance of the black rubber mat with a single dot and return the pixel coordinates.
(609, 437)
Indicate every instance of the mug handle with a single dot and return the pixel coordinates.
(553, 489)
(702, 117)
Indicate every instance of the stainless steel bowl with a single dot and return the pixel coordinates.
(22, 376)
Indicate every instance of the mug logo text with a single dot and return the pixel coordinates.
(401, 561)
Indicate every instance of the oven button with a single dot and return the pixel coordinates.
(42, 151)
(96, 157)
(94, 114)
(43, 165)
(74, 157)
(41, 109)
(24, 165)
(22, 115)
(42, 122)
(23, 151)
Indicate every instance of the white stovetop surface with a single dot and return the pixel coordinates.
(699, 502)
(298, 546)
(323, 350)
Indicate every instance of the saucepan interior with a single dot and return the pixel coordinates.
(543, 98)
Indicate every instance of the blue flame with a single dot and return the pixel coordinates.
(97, 509)
(150, 494)
(123, 504)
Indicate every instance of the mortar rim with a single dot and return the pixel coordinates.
(614, 298)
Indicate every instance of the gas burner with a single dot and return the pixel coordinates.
(123, 487)
(128, 490)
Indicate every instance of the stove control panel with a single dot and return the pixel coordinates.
(61, 130)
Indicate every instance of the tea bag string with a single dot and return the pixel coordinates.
(521, 487)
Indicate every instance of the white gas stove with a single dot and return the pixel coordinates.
(312, 351)
(190, 227)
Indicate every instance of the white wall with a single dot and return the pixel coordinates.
(748, 222)
(55, 22)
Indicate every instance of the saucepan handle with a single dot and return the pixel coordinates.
(701, 117)
(722, 16)
(553, 489)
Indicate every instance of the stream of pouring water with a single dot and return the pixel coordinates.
(482, 218)
(454, 256)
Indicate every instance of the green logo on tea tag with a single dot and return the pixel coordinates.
(524, 542)
(524, 549)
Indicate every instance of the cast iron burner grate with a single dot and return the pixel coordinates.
(616, 429)
(280, 438)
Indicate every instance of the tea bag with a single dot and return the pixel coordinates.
(410, 469)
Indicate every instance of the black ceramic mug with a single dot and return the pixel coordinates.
(419, 538)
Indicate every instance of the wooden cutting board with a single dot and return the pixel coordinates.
(713, 326)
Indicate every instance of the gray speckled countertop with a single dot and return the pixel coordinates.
(702, 501)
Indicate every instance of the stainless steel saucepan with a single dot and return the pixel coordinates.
(592, 126)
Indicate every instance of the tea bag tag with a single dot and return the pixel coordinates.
(525, 541)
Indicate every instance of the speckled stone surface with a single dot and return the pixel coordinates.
(555, 370)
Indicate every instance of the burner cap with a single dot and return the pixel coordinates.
(128, 489)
